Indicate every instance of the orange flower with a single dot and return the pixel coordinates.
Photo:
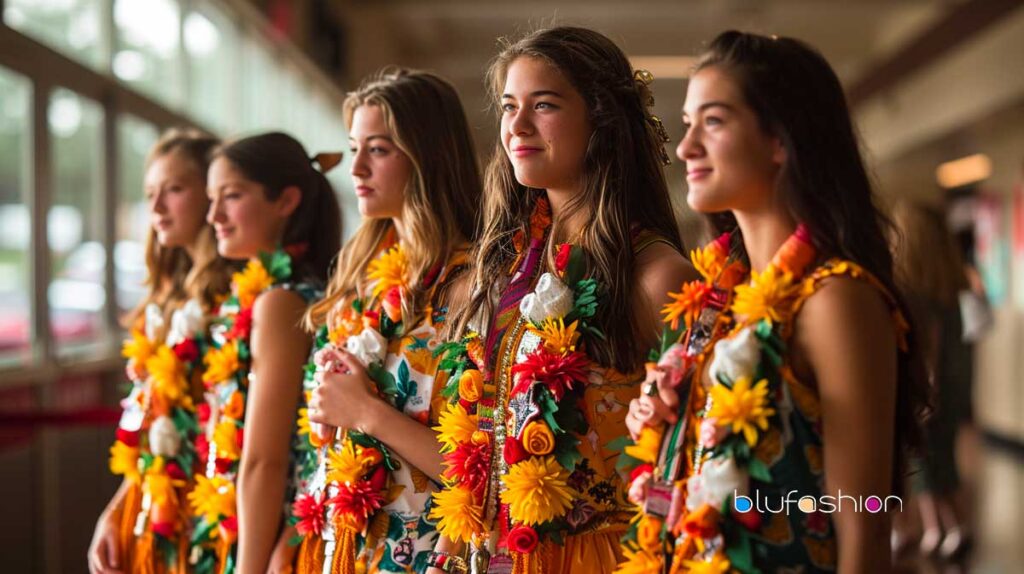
(538, 439)
(471, 385)
(701, 523)
(769, 295)
(138, 349)
(685, 304)
(251, 282)
(235, 407)
(648, 532)
(388, 270)
(221, 364)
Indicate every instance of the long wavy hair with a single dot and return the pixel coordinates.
(424, 115)
(173, 276)
(799, 100)
(276, 161)
(928, 261)
(623, 185)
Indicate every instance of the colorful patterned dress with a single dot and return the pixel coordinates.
(398, 536)
(532, 484)
(750, 433)
(222, 416)
(153, 450)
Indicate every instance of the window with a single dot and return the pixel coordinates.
(68, 26)
(135, 138)
(148, 55)
(211, 43)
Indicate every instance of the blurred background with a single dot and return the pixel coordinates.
(936, 88)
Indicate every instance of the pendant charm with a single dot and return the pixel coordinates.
(659, 498)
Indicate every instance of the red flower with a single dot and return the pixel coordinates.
(358, 500)
(202, 448)
(470, 463)
(522, 539)
(174, 471)
(238, 437)
(379, 478)
(562, 259)
(514, 451)
(750, 519)
(372, 319)
(129, 438)
(224, 465)
(645, 467)
(557, 372)
(203, 412)
(230, 524)
(165, 529)
(187, 350)
(392, 304)
(243, 324)
(309, 509)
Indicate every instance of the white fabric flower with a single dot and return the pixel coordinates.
(154, 321)
(185, 323)
(369, 346)
(164, 439)
(550, 299)
(718, 479)
(736, 357)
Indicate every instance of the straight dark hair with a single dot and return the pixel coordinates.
(276, 161)
(799, 100)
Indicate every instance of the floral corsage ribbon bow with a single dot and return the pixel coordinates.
(535, 433)
(690, 517)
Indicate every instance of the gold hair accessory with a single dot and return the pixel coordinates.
(327, 160)
(642, 80)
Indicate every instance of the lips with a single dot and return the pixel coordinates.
(697, 173)
(222, 232)
(163, 224)
(363, 190)
(525, 151)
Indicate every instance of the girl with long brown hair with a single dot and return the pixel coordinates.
(145, 526)
(578, 249)
(786, 374)
(372, 459)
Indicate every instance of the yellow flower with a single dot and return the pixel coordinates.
(455, 426)
(538, 439)
(138, 349)
(159, 484)
(457, 514)
(769, 295)
(167, 374)
(685, 304)
(303, 422)
(536, 490)
(640, 562)
(212, 497)
(742, 407)
(221, 364)
(646, 447)
(225, 436)
(388, 270)
(124, 460)
(708, 260)
(251, 282)
(717, 565)
(648, 532)
(345, 464)
(558, 339)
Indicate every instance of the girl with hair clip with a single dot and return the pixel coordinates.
(578, 249)
(145, 525)
(784, 375)
(371, 459)
(271, 207)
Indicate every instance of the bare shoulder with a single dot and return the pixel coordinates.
(281, 308)
(660, 269)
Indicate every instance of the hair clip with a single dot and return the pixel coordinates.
(327, 160)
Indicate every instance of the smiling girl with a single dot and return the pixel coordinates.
(786, 372)
(271, 207)
(578, 249)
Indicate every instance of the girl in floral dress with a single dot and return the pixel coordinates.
(785, 373)
(145, 527)
(578, 248)
(372, 459)
(273, 208)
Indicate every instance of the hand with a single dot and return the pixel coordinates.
(649, 410)
(104, 553)
(282, 558)
(343, 399)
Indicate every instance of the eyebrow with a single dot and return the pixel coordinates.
(373, 137)
(536, 94)
(712, 104)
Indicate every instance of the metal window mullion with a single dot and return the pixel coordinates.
(184, 71)
(111, 178)
(45, 456)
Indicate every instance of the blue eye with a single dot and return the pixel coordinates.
(712, 120)
(545, 106)
(507, 107)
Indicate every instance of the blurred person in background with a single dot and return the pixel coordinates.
(146, 526)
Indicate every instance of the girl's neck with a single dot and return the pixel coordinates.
(764, 233)
(571, 222)
(400, 231)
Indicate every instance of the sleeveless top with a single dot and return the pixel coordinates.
(222, 417)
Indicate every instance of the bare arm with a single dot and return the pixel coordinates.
(104, 553)
(279, 350)
(659, 269)
(847, 338)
